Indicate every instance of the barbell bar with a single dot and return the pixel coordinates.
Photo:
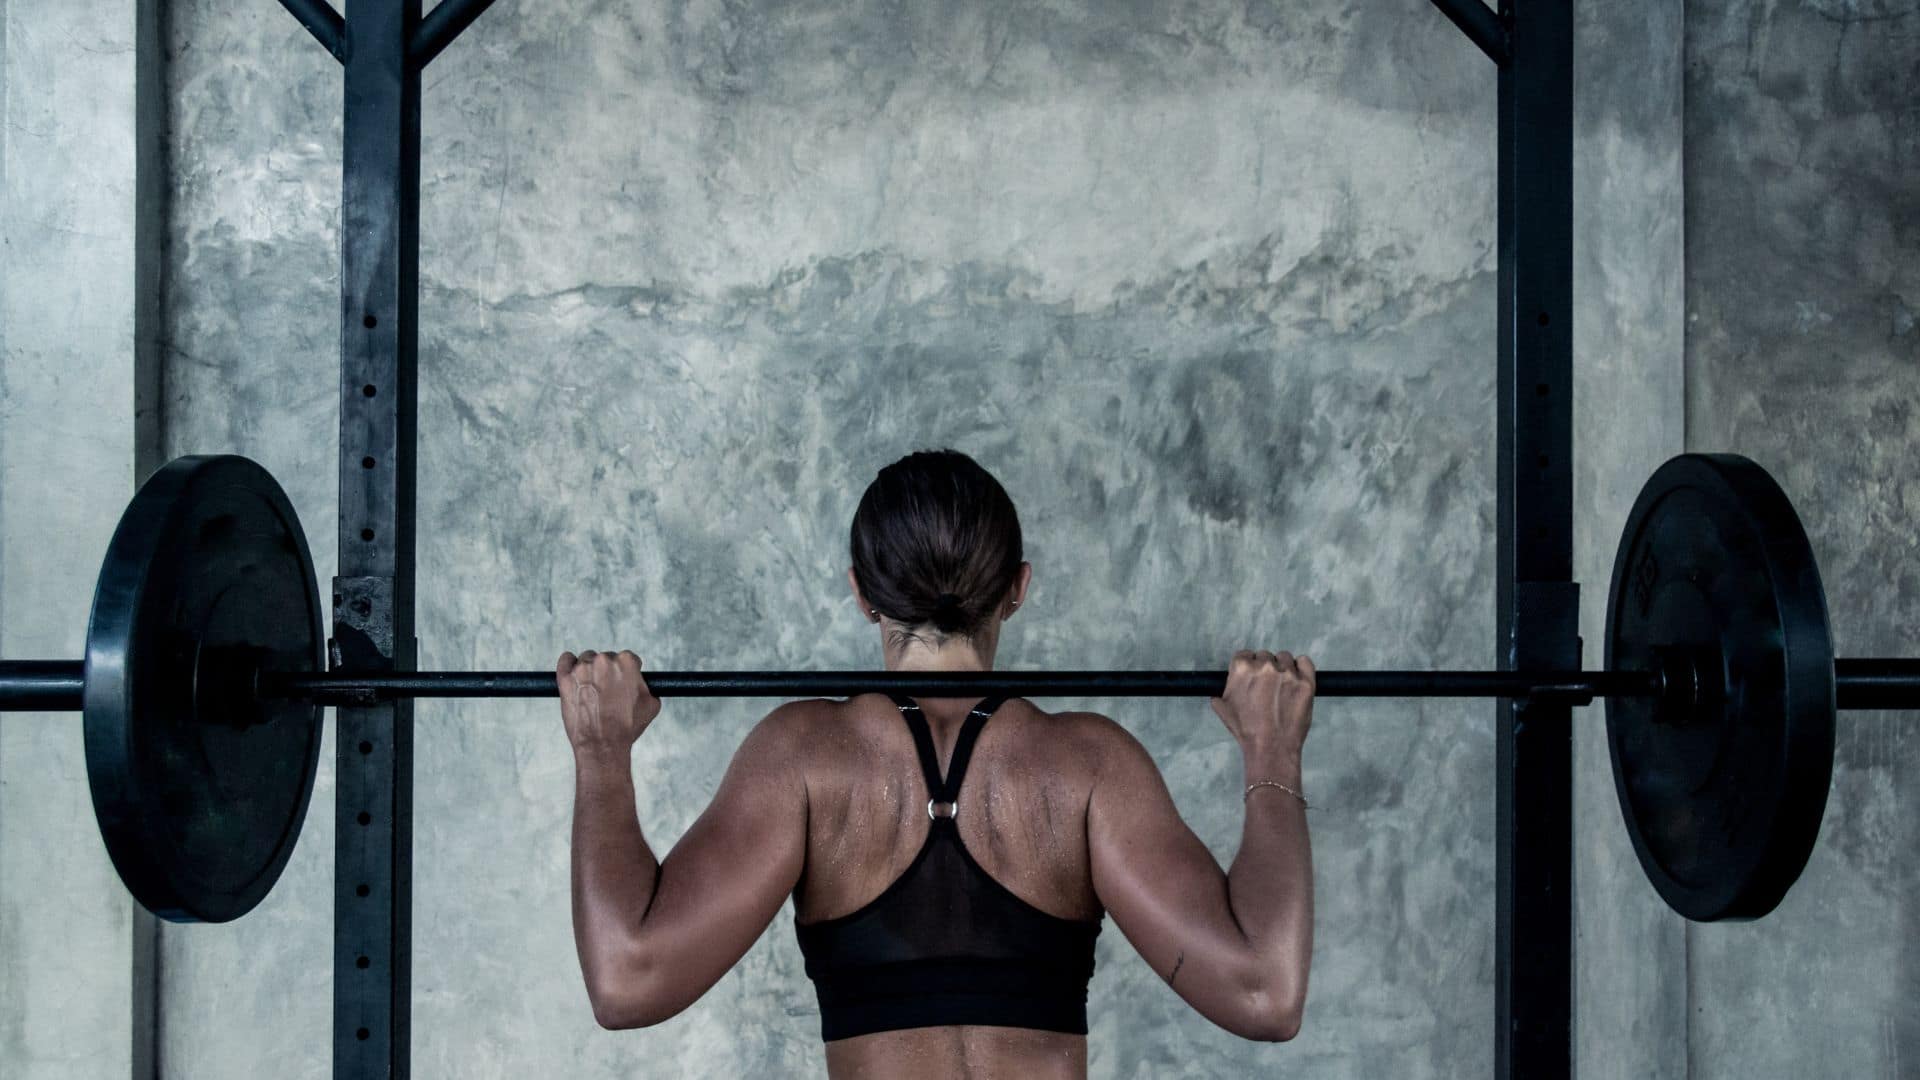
(59, 685)
(206, 673)
(56, 685)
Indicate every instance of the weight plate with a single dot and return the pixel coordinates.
(200, 791)
(1723, 798)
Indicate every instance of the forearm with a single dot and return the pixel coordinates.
(614, 872)
(1270, 885)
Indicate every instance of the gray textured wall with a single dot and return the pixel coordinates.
(71, 941)
(1803, 277)
(1203, 285)
(1629, 329)
(1209, 286)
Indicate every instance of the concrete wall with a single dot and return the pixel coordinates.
(1803, 276)
(1628, 325)
(1210, 287)
(75, 971)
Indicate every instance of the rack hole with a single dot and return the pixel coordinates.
(368, 390)
(361, 890)
(366, 747)
(369, 322)
(1540, 389)
(366, 534)
(1544, 319)
(1543, 461)
(362, 963)
(364, 818)
(366, 463)
(362, 1034)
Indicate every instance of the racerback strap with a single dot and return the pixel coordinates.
(946, 789)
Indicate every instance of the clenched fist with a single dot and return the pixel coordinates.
(604, 701)
(1268, 704)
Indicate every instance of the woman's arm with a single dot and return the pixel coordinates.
(653, 936)
(1236, 946)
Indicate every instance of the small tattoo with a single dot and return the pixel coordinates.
(1175, 973)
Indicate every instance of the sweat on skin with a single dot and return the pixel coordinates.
(653, 935)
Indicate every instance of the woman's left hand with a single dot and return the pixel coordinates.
(604, 701)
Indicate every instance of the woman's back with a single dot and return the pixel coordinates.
(950, 861)
(1020, 816)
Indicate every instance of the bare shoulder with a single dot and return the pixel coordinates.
(1094, 739)
(820, 732)
(791, 733)
(797, 718)
(1091, 727)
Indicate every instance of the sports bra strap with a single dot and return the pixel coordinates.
(963, 746)
(923, 745)
(947, 789)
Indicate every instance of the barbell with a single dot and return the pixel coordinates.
(206, 671)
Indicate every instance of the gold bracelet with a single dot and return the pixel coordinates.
(1304, 804)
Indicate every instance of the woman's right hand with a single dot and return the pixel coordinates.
(605, 704)
(1268, 704)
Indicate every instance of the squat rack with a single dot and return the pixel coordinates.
(385, 44)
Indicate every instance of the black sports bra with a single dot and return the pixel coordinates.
(945, 943)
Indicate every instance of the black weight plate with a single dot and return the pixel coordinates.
(1723, 800)
(200, 796)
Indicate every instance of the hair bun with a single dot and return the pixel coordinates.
(948, 614)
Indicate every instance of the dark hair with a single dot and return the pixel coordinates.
(936, 541)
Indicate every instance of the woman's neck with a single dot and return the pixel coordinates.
(944, 654)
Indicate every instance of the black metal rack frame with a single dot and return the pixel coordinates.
(385, 44)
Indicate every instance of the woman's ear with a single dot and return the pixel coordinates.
(866, 609)
(1021, 582)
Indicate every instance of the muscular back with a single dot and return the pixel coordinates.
(1022, 815)
(1022, 812)
(824, 802)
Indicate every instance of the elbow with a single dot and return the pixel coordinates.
(613, 1016)
(1272, 1009)
(627, 1012)
(626, 1019)
(1273, 1024)
(628, 999)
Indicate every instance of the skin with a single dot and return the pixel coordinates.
(824, 802)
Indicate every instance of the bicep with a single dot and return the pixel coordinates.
(1161, 885)
(722, 884)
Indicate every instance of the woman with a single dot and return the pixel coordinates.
(949, 860)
